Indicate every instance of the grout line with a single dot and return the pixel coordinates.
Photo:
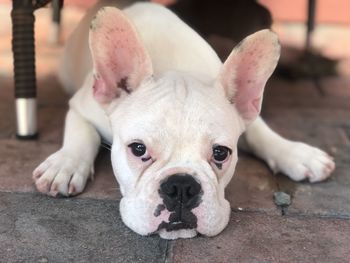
(168, 255)
(320, 216)
(248, 210)
(299, 214)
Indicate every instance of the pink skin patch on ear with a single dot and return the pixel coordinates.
(249, 85)
(119, 57)
(247, 70)
(101, 92)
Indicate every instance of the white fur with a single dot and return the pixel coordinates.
(179, 114)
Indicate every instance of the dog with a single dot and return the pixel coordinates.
(173, 113)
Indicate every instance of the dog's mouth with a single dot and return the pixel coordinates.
(177, 229)
(180, 219)
(171, 226)
(179, 226)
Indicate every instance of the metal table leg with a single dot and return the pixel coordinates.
(55, 33)
(24, 66)
(310, 22)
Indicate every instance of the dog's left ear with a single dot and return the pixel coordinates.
(120, 60)
(246, 71)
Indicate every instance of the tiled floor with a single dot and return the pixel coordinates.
(87, 228)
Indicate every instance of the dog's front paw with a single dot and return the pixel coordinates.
(62, 173)
(301, 161)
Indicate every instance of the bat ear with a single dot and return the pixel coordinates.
(246, 71)
(120, 60)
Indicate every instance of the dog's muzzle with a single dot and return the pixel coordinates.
(180, 193)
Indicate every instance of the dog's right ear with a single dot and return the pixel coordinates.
(120, 60)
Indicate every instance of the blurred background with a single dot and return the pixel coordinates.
(331, 36)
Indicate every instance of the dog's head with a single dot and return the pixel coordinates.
(175, 137)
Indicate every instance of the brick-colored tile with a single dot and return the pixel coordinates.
(51, 124)
(7, 108)
(252, 186)
(19, 158)
(328, 198)
(326, 128)
(17, 161)
(280, 94)
(336, 86)
(104, 185)
(319, 127)
(50, 92)
(256, 237)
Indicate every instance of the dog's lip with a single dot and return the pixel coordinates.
(176, 225)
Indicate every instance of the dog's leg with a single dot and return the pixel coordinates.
(297, 160)
(67, 170)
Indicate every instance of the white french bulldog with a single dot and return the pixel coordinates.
(173, 113)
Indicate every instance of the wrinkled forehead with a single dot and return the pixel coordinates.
(180, 107)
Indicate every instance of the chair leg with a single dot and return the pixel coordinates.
(54, 36)
(24, 68)
(311, 13)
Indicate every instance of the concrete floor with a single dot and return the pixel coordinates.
(88, 228)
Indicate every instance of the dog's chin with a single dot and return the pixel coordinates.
(175, 234)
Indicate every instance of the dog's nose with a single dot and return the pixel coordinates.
(180, 190)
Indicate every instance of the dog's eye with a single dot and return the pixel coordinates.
(139, 150)
(221, 153)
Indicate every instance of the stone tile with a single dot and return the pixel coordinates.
(104, 185)
(329, 198)
(50, 92)
(17, 161)
(277, 87)
(34, 228)
(307, 117)
(7, 121)
(252, 186)
(51, 123)
(280, 93)
(336, 86)
(327, 129)
(257, 237)
(7, 108)
(319, 127)
(19, 158)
